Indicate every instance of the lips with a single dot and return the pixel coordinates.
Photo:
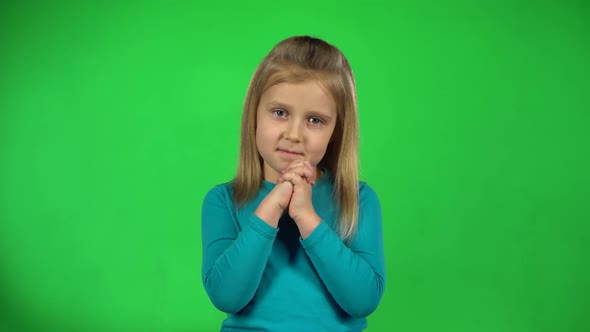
(290, 153)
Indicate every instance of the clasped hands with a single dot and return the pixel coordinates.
(294, 193)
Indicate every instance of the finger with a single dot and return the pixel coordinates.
(302, 171)
(293, 164)
(294, 178)
(301, 162)
(308, 164)
(299, 182)
(312, 170)
(293, 168)
(309, 176)
(312, 175)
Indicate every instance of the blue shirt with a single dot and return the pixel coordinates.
(269, 279)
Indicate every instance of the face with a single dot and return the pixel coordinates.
(294, 121)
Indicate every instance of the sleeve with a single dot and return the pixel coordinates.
(355, 275)
(233, 261)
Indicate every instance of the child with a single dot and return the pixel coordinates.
(294, 243)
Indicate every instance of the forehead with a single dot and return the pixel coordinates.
(305, 95)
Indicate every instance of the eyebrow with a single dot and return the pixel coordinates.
(279, 104)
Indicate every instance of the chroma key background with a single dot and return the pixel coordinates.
(117, 117)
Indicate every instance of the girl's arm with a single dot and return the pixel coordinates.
(355, 276)
(233, 261)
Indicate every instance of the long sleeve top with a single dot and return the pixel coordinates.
(269, 279)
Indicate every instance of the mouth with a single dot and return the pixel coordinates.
(289, 153)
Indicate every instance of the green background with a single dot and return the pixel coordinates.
(115, 119)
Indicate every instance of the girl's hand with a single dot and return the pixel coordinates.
(274, 204)
(301, 207)
(301, 167)
(282, 193)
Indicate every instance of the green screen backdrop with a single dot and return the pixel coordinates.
(116, 118)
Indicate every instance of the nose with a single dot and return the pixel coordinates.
(293, 132)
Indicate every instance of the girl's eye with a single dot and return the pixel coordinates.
(280, 113)
(316, 121)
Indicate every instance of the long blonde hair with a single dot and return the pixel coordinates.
(297, 59)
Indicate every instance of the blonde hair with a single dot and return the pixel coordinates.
(297, 59)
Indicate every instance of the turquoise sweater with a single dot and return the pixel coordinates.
(269, 279)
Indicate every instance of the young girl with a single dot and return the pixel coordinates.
(294, 243)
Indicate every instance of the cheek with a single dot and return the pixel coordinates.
(261, 140)
(264, 133)
(321, 144)
(265, 136)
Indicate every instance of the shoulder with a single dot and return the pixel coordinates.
(368, 199)
(366, 191)
(221, 192)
